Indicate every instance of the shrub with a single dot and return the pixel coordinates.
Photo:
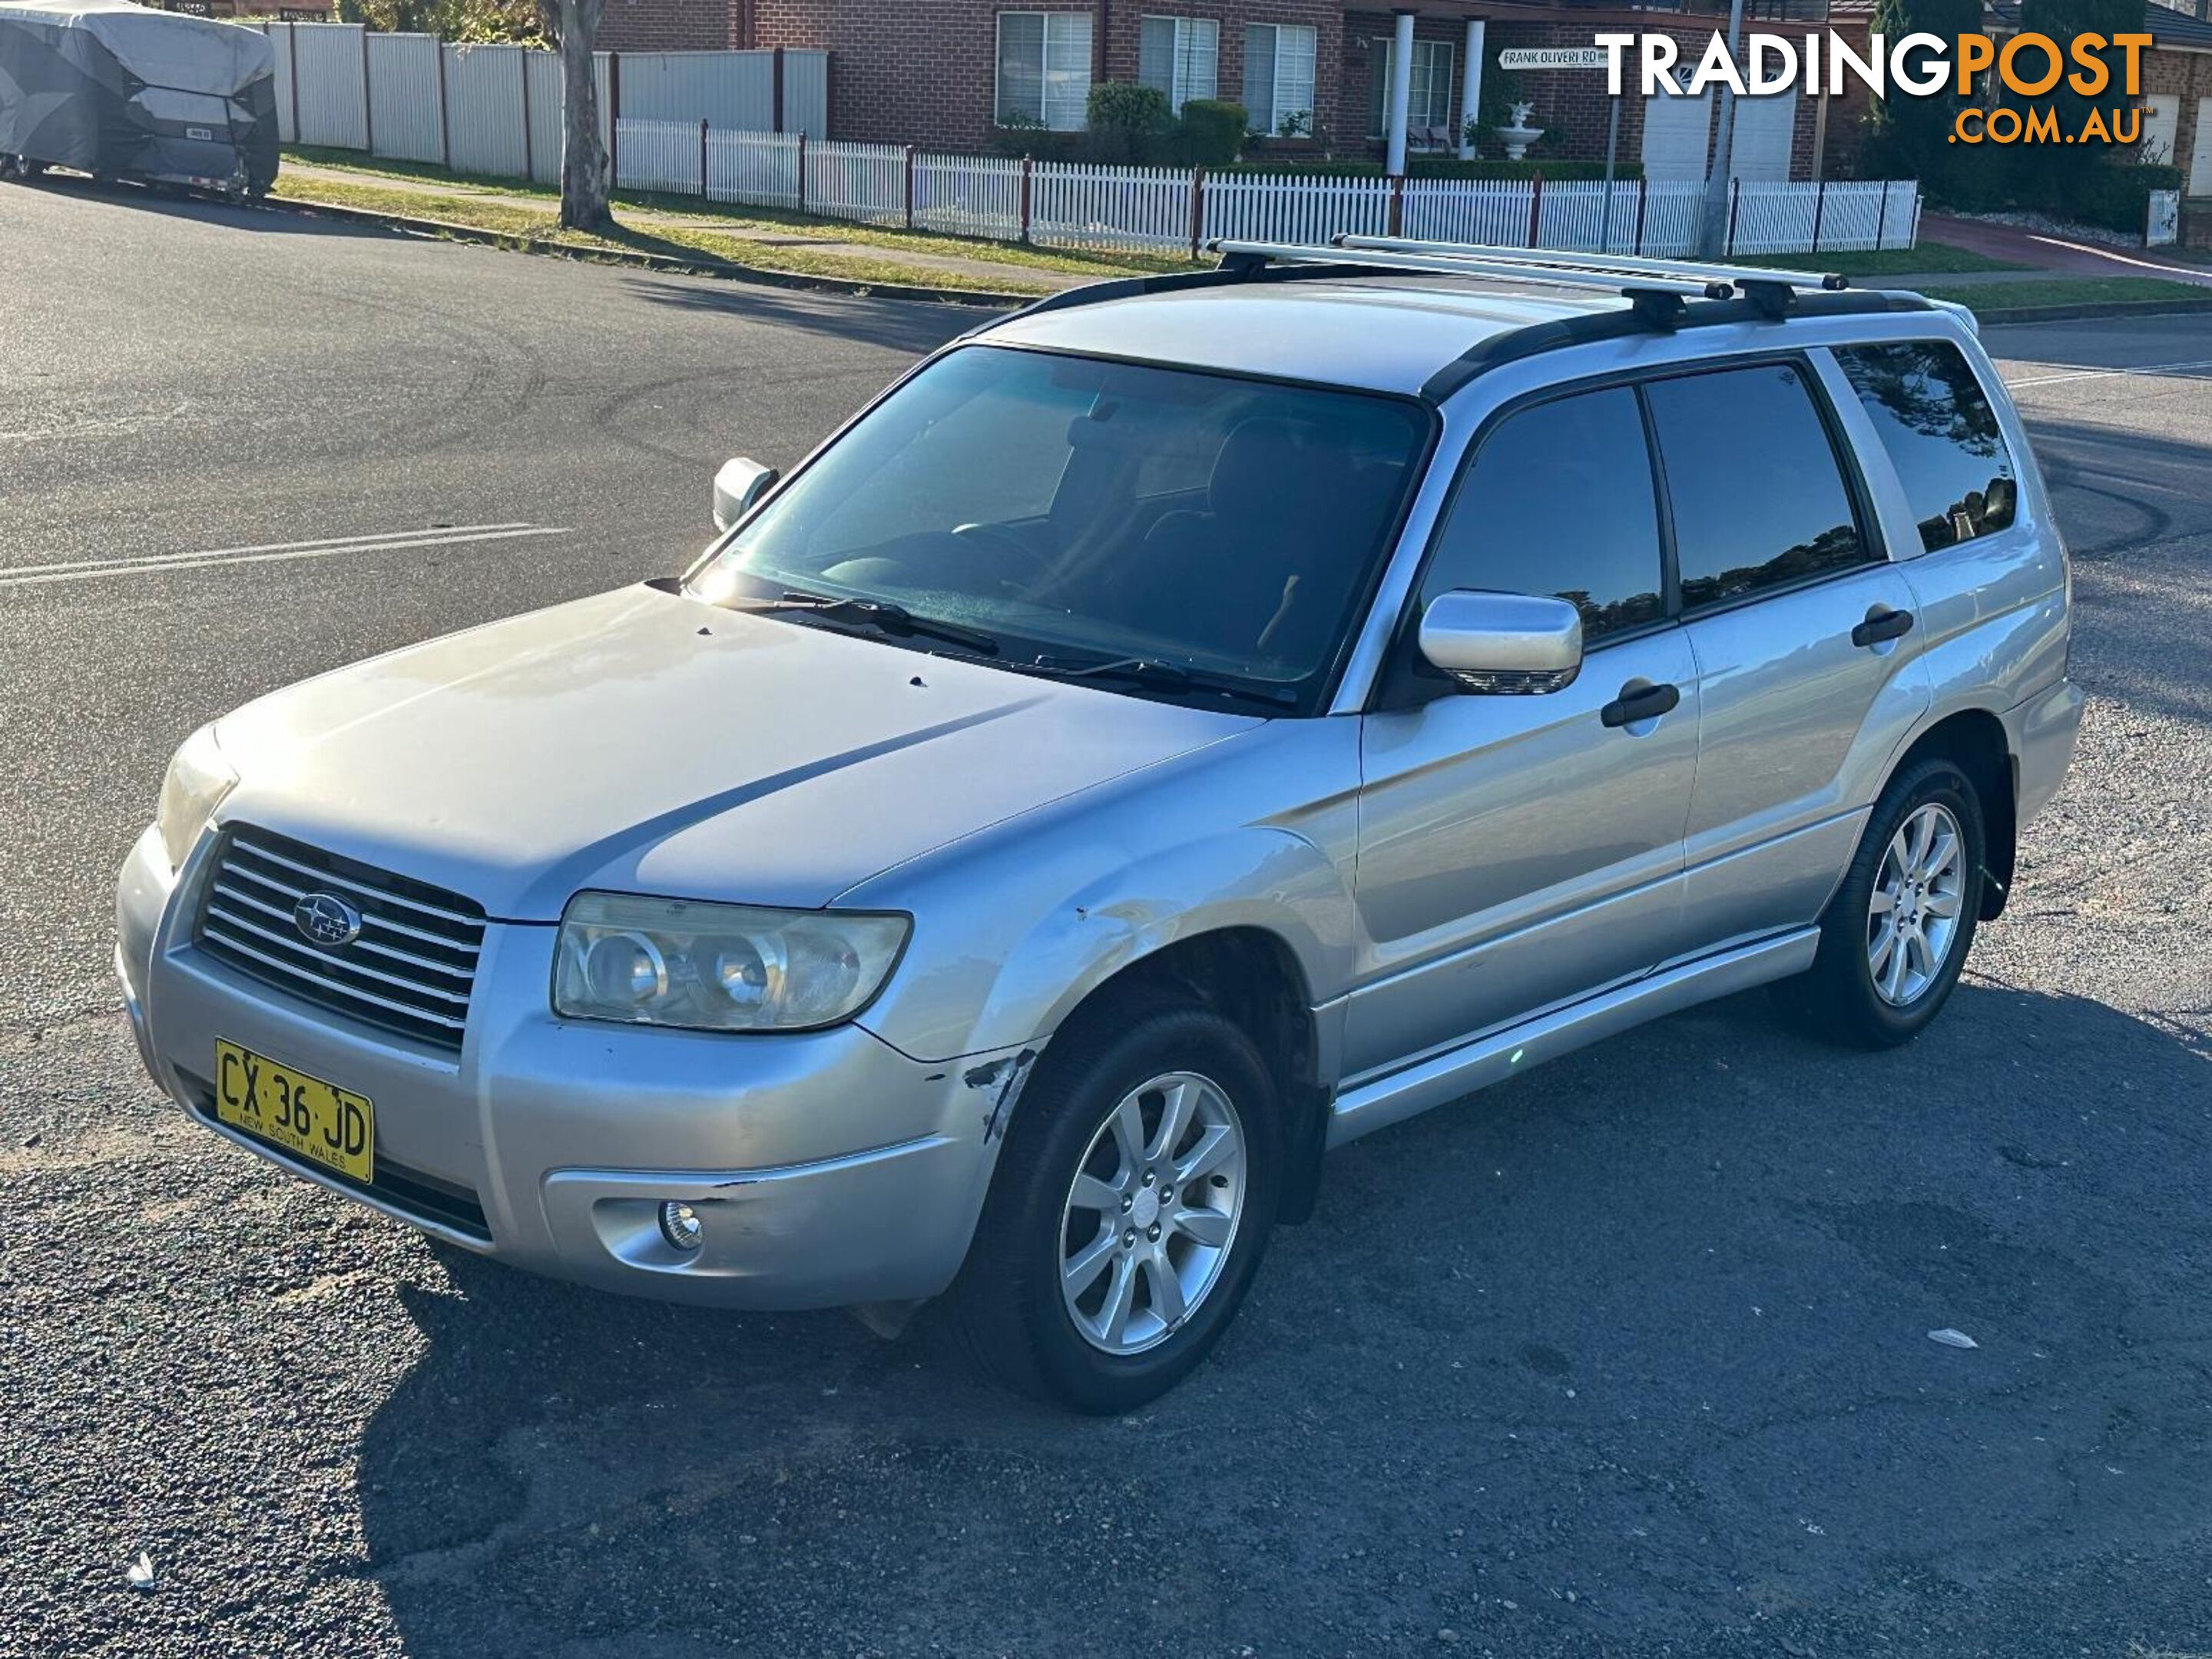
(1211, 132)
(1128, 123)
(2117, 197)
(1024, 135)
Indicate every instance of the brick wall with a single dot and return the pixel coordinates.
(924, 71)
(1125, 22)
(904, 71)
(667, 26)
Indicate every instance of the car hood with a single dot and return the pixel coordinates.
(644, 742)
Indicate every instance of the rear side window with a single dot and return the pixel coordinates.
(1940, 433)
(1758, 499)
(1559, 502)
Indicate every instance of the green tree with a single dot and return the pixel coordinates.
(2062, 21)
(1910, 137)
(1126, 122)
(515, 23)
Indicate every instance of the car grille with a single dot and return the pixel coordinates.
(409, 970)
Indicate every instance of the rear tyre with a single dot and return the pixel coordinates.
(20, 169)
(1130, 1208)
(1895, 936)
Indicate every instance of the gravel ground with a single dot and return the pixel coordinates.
(1629, 1357)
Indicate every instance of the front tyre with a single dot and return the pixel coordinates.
(1129, 1210)
(1895, 936)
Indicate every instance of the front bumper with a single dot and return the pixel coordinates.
(828, 1168)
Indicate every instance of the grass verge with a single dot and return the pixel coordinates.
(768, 238)
(1932, 257)
(2068, 291)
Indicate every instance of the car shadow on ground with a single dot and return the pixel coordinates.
(177, 203)
(916, 325)
(1634, 1349)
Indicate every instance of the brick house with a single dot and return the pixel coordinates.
(947, 73)
(2178, 88)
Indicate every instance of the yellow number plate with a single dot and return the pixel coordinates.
(301, 1115)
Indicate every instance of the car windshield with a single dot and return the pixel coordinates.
(1082, 513)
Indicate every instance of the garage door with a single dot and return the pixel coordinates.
(2161, 115)
(2200, 157)
(1674, 135)
(1764, 128)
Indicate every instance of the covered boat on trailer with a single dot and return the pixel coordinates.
(121, 91)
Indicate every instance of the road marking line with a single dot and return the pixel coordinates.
(2152, 369)
(332, 542)
(267, 553)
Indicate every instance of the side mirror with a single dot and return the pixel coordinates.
(1503, 642)
(738, 487)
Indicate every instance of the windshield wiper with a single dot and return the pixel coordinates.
(879, 614)
(1167, 676)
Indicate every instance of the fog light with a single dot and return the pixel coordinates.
(681, 1226)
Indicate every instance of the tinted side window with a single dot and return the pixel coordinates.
(1942, 436)
(1558, 501)
(1753, 480)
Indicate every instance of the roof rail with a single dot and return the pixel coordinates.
(1657, 298)
(1131, 288)
(1772, 290)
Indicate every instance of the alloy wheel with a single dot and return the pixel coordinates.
(1152, 1212)
(1914, 911)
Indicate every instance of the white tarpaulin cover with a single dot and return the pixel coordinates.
(121, 90)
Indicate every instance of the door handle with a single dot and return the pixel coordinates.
(1882, 625)
(1640, 702)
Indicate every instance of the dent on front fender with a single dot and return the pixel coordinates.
(1015, 927)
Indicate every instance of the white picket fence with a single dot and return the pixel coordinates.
(750, 127)
(1077, 205)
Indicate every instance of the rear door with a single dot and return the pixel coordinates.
(1803, 636)
(1517, 852)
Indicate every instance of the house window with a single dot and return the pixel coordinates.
(1279, 79)
(1430, 116)
(1044, 69)
(1180, 56)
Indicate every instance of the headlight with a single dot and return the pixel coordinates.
(196, 783)
(719, 967)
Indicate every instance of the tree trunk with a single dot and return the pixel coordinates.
(584, 181)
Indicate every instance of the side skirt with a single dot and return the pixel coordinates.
(1492, 1059)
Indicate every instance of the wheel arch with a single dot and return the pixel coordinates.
(1973, 740)
(1253, 977)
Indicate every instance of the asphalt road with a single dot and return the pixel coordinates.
(1628, 1357)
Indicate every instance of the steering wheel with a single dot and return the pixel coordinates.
(998, 535)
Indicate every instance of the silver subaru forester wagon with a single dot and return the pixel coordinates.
(1175, 730)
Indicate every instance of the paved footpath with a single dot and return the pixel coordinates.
(2046, 254)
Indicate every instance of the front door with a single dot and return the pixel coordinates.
(2200, 154)
(1520, 851)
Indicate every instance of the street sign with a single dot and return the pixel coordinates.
(1546, 58)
